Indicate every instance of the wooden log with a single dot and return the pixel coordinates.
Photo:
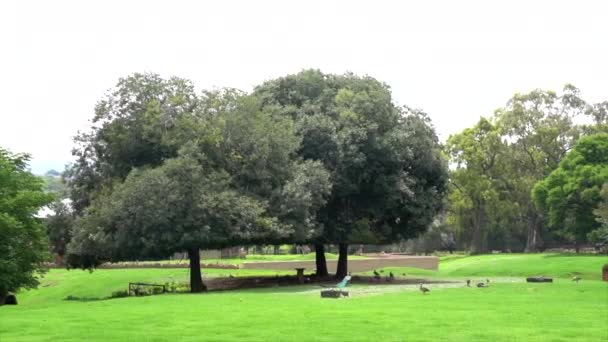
(333, 294)
(539, 280)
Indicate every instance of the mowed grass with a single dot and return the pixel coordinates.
(506, 311)
(587, 266)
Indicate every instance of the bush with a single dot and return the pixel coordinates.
(82, 299)
(119, 294)
(599, 238)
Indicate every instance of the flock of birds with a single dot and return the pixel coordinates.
(378, 277)
(426, 290)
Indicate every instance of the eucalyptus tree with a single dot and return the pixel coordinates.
(525, 140)
(477, 155)
(128, 129)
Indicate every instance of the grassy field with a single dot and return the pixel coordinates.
(509, 310)
(513, 265)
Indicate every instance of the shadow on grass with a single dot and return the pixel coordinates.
(580, 255)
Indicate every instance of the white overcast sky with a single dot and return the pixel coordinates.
(457, 60)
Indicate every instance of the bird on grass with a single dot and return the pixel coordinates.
(486, 284)
(576, 279)
(424, 290)
(391, 275)
(468, 282)
(376, 275)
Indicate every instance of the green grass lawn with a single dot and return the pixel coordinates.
(506, 311)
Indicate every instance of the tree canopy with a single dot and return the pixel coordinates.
(572, 191)
(388, 176)
(23, 244)
(234, 180)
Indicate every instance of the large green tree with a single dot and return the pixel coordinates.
(23, 244)
(477, 154)
(233, 181)
(498, 161)
(129, 129)
(538, 129)
(599, 236)
(572, 191)
(388, 177)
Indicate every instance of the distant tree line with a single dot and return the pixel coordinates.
(524, 179)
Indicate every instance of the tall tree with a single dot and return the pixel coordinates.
(59, 227)
(234, 182)
(539, 129)
(599, 236)
(572, 191)
(477, 156)
(530, 135)
(387, 173)
(23, 244)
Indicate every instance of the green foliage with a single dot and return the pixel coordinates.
(387, 173)
(53, 183)
(572, 191)
(59, 226)
(23, 244)
(602, 210)
(475, 180)
(229, 176)
(130, 129)
(498, 161)
(120, 294)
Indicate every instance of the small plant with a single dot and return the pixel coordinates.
(119, 294)
(82, 299)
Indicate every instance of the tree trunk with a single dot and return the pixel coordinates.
(196, 279)
(577, 246)
(320, 260)
(534, 241)
(478, 245)
(342, 270)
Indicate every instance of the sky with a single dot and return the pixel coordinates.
(456, 60)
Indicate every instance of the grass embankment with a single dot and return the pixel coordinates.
(561, 311)
(589, 267)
